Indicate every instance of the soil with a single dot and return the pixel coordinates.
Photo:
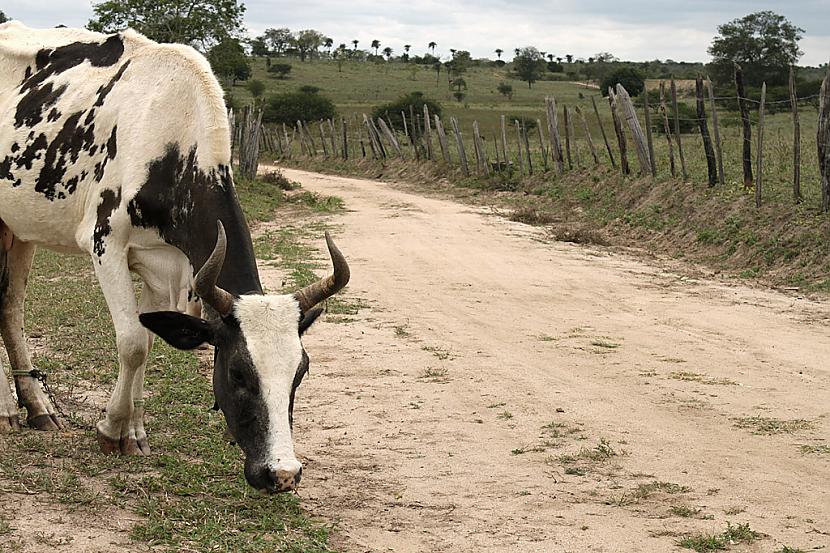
(507, 392)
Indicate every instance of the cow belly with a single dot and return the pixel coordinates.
(53, 226)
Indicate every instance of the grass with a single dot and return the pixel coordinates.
(769, 426)
(810, 449)
(647, 490)
(703, 543)
(689, 376)
(191, 493)
(684, 511)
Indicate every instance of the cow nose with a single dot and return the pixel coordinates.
(285, 477)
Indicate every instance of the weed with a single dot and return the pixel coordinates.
(604, 344)
(741, 533)
(505, 415)
(768, 426)
(440, 353)
(684, 511)
(401, 331)
(496, 405)
(434, 375)
(820, 449)
(702, 378)
(576, 471)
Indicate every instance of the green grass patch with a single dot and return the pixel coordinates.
(702, 543)
(768, 426)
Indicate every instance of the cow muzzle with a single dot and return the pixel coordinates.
(275, 478)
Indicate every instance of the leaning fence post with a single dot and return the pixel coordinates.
(677, 131)
(566, 122)
(602, 131)
(542, 144)
(711, 166)
(428, 133)
(796, 140)
(636, 130)
(716, 128)
(612, 101)
(442, 139)
(759, 171)
(519, 146)
(323, 141)
(481, 154)
(553, 131)
(503, 139)
(460, 143)
(823, 142)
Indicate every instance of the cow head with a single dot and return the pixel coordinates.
(259, 361)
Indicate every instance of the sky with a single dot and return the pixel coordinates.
(643, 30)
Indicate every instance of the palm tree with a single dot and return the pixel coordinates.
(432, 46)
(406, 48)
(387, 52)
(517, 51)
(453, 51)
(355, 41)
(376, 45)
(558, 60)
(499, 52)
(550, 58)
(328, 43)
(569, 57)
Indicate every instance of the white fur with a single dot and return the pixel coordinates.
(269, 324)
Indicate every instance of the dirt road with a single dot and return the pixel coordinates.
(503, 392)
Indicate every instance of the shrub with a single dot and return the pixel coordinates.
(555, 67)
(630, 77)
(280, 70)
(256, 88)
(293, 106)
(528, 122)
(686, 113)
(392, 111)
(506, 90)
(309, 89)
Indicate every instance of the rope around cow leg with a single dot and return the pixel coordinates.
(42, 377)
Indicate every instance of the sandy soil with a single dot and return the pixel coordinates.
(422, 426)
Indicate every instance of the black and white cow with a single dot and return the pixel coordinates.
(118, 147)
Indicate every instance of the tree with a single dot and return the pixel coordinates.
(291, 107)
(406, 48)
(506, 90)
(499, 52)
(355, 42)
(277, 39)
(569, 57)
(307, 42)
(432, 46)
(328, 43)
(376, 45)
(281, 70)
(550, 57)
(259, 47)
(228, 60)
(392, 110)
(200, 23)
(630, 77)
(3, 17)
(256, 88)
(764, 43)
(387, 52)
(340, 55)
(529, 65)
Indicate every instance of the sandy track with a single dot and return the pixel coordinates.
(422, 423)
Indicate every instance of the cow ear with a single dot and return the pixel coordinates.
(177, 329)
(309, 317)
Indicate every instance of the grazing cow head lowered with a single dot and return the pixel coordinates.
(259, 361)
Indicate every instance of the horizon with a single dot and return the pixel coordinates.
(576, 28)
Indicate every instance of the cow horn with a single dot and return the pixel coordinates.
(314, 293)
(205, 281)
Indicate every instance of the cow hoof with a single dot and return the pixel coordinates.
(144, 446)
(49, 423)
(9, 424)
(129, 446)
(107, 445)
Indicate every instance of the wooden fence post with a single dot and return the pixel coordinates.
(796, 140)
(612, 101)
(577, 159)
(711, 166)
(716, 128)
(677, 131)
(504, 140)
(588, 135)
(527, 149)
(459, 142)
(553, 131)
(759, 177)
(624, 101)
(542, 144)
(519, 155)
(747, 128)
(442, 139)
(667, 128)
(390, 136)
(481, 154)
(428, 133)
(649, 136)
(345, 138)
(333, 139)
(566, 123)
(323, 141)
(823, 142)
(602, 131)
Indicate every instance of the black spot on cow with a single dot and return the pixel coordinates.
(175, 186)
(32, 152)
(31, 107)
(6, 169)
(15, 147)
(103, 91)
(64, 148)
(54, 62)
(28, 73)
(53, 116)
(109, 203)
(112, 144)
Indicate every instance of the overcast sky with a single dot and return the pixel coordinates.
(643, 30)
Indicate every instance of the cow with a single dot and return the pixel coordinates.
(117, 147)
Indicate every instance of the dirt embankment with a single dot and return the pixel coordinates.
(507, 392)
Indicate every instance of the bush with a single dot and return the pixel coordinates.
(554, 67)
(293, 106)
(528, 122)
(280, 70)
(506, 90)
(631, 79)
(256, 88)
(309, 89)
(686, 113)
(392, 110)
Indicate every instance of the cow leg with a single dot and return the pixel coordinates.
(117, 432)
(8, 407)
(41, 412)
